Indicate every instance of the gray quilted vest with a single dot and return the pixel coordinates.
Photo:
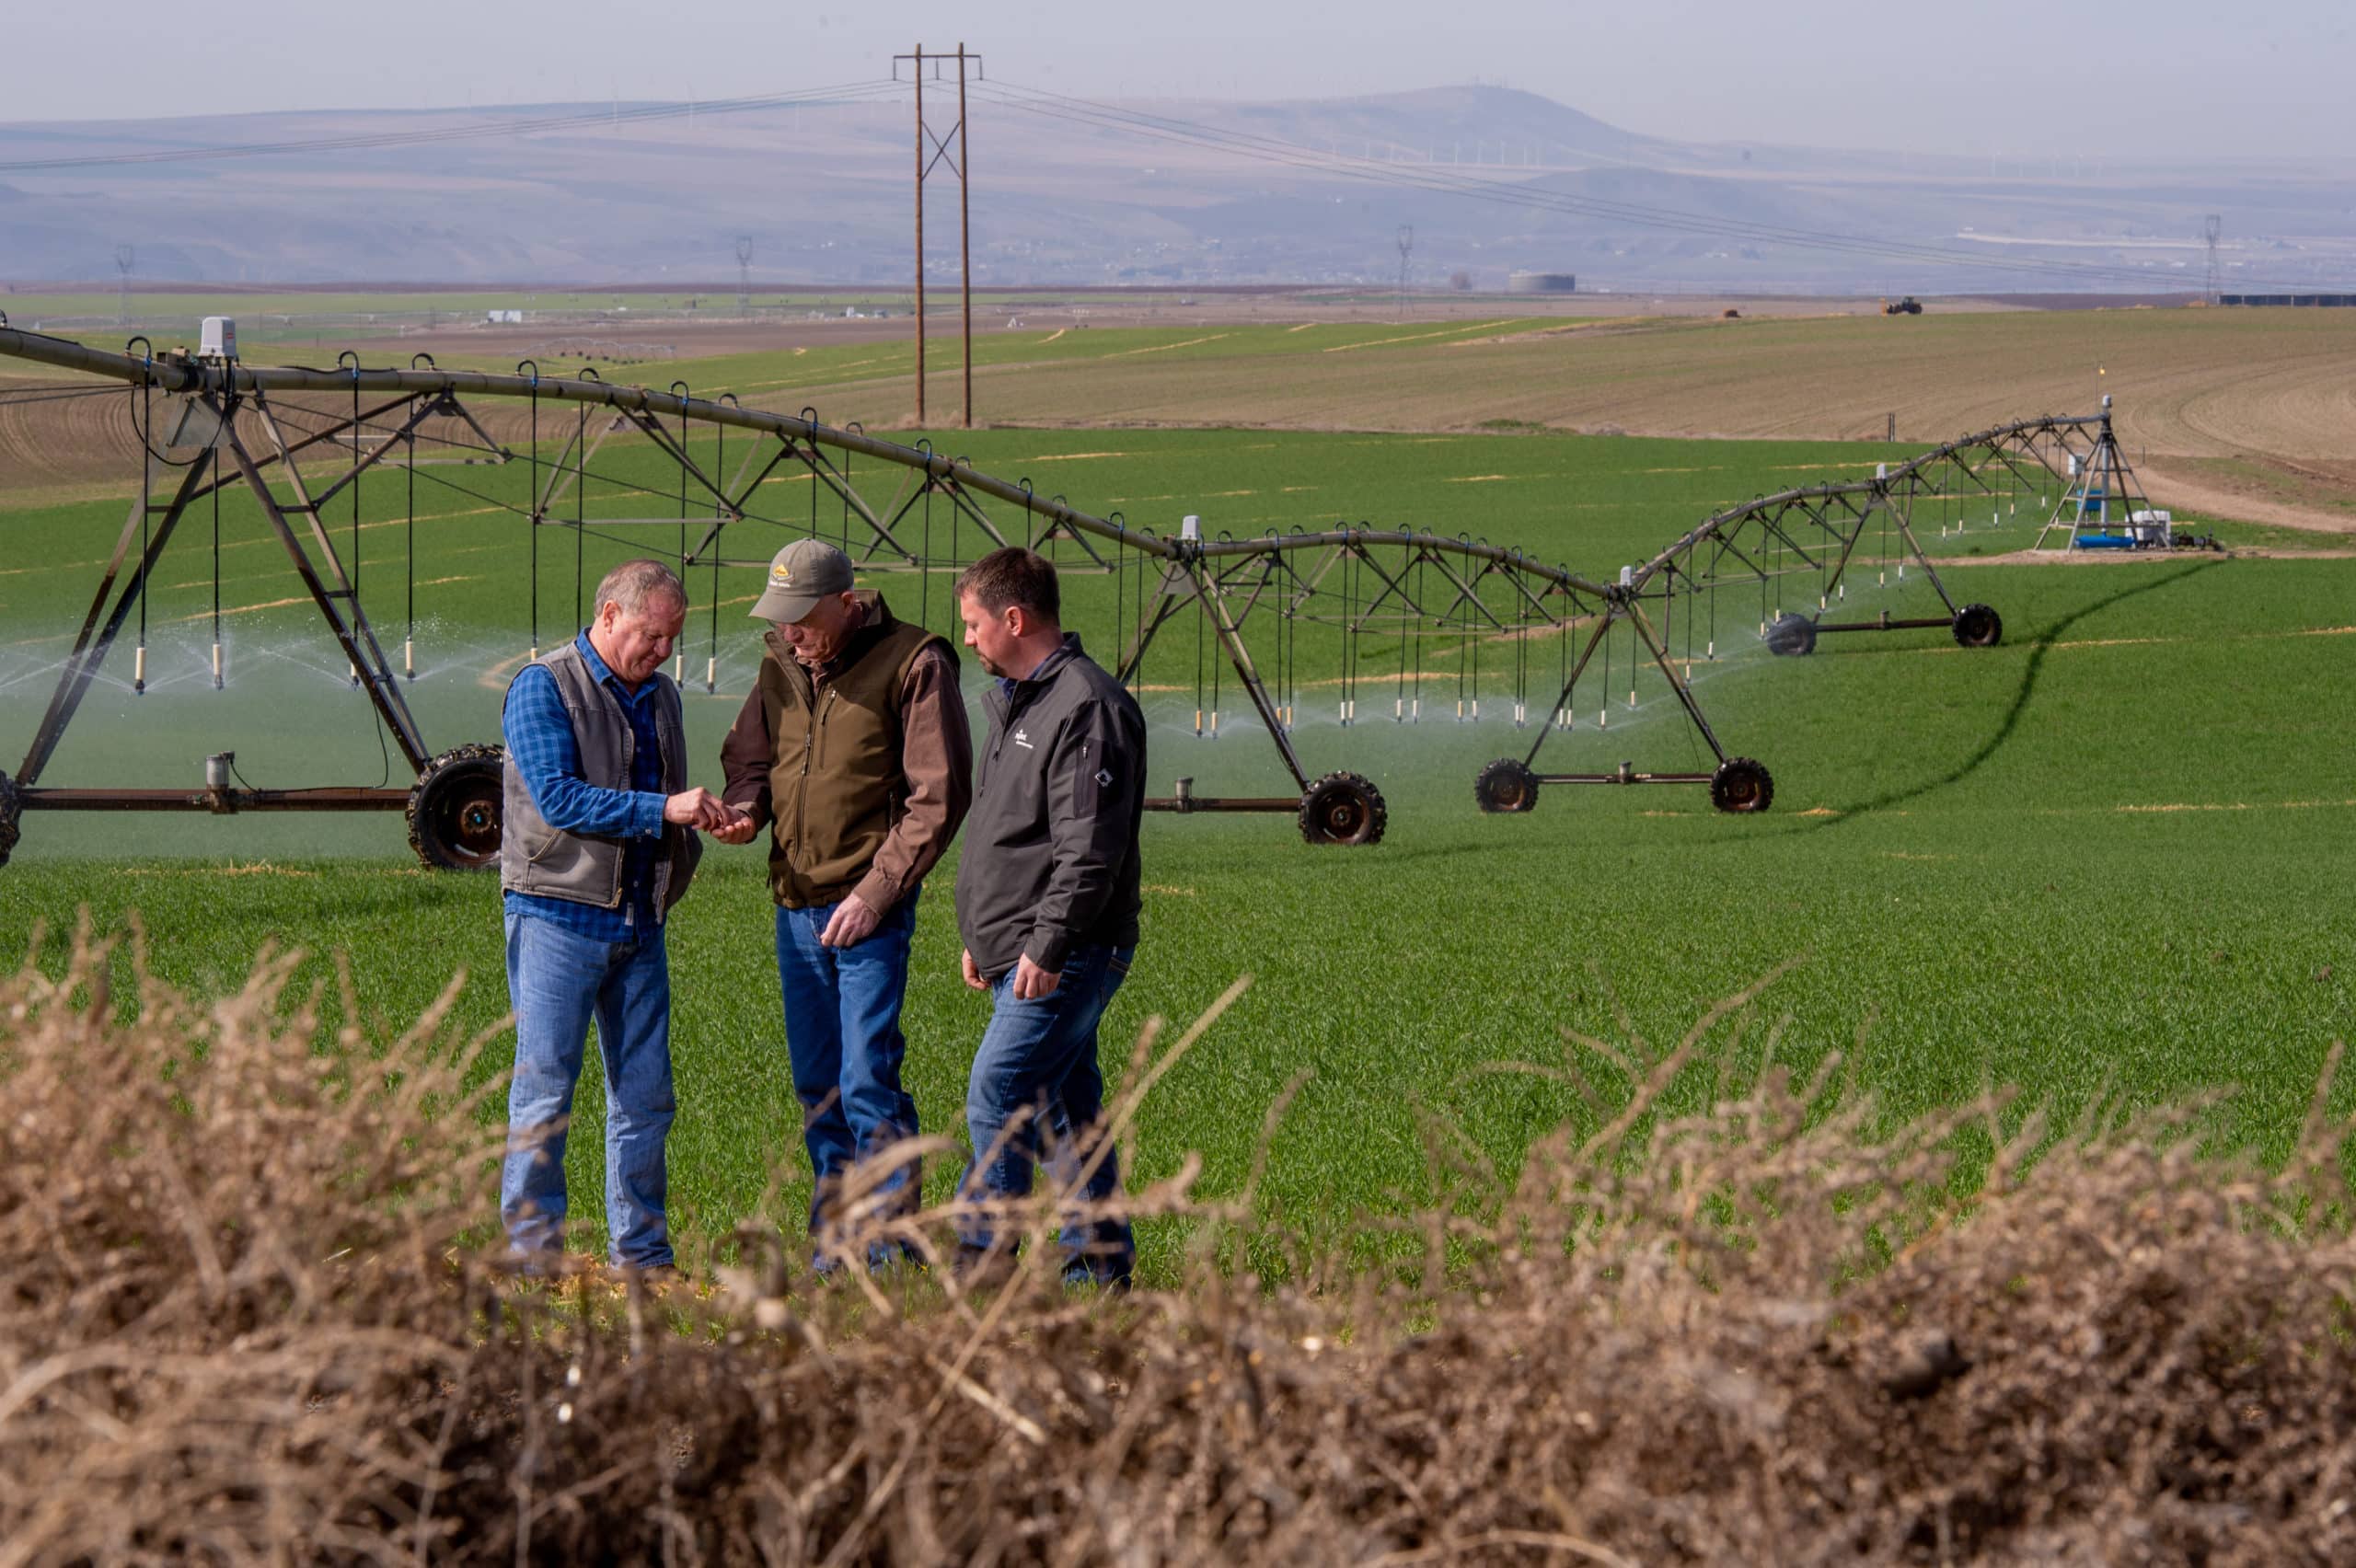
(583, 868)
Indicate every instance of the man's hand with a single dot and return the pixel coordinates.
(1031, 982)
(740, 829)
(698, 808)
(851, 923)
(973, 972)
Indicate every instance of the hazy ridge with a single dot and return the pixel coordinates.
(824, 192)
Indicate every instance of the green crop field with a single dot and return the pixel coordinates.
(2108, 858)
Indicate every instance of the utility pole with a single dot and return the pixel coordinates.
(919, 79)
(745, 272)
(123, 260)
(2212, 227)
(965, 241)
(1406, 246)
(926, 163)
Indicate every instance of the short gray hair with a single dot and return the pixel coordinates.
(630, 584)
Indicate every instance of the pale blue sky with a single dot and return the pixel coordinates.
(2164, 79)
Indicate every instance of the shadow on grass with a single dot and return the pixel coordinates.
(2030, 673)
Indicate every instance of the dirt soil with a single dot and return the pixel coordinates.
(2320, 495)
(2242, 415)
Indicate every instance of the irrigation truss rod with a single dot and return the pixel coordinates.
(187, 376)
(1899, 479)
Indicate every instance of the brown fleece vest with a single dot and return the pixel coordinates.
(836, 782)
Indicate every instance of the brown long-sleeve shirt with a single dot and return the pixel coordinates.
(811, 756)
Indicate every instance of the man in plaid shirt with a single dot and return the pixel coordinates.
(597, 842)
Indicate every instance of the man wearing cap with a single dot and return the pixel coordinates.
(597, 841)
(852, 748)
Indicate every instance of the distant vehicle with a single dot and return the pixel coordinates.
(1909, 306)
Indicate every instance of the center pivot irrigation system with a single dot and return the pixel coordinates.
(208, 423)
(1797, 551)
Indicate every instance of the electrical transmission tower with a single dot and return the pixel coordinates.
(745, 272)
(1406, 249)
(925, 164)
(123, 259)
(2211, 227)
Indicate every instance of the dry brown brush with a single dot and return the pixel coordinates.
(240, 1319)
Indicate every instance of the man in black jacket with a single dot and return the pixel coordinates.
(1046, 902)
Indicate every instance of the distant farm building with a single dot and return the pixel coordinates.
(1543, 282)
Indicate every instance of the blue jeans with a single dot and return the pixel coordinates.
(557, 982)
(842, 1031)
(1035, 1072)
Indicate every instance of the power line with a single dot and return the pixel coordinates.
(1479, 188)
(1476, 188)
(474, 130)
(1040, 101)
(17, 396)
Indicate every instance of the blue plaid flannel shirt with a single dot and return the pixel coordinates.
(540, 740)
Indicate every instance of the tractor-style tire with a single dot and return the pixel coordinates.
(454, 810)
(1741, 785)
(1343, 808)
(11, 807)
(1791, 636)
(1977, 626)
(1507, 785)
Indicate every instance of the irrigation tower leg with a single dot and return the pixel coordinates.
(1594, 641)
(1248, 673)
(91, 644)
(1906, 532)
(1677, 683)
(352, 631)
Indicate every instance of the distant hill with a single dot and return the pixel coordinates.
(1492, 181)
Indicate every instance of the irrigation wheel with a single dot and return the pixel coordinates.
(1741, 785)
(454, 810)
(1977, 626)
(1791, 636)
(1505, 785)
(1343, 808)
(10, 809)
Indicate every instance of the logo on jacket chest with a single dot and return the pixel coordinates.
(1023, 741)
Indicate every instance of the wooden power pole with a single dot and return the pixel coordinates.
(931, 153)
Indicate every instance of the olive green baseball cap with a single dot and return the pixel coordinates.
(801, 574)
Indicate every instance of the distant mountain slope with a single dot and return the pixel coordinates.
(1492, 180)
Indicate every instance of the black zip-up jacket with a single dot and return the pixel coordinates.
(1050, 861)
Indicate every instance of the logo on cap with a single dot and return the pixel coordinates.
(782, 574)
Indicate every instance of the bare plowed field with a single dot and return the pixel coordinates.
(2208, 384)
(2248, 413)
(2262, 402)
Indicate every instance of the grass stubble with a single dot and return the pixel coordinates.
(249, 1315)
